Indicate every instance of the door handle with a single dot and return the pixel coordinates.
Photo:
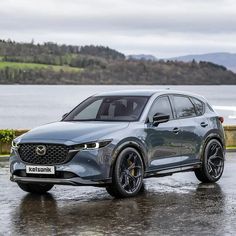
(204, 124)
(176, 130)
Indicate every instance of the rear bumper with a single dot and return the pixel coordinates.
(77, 181)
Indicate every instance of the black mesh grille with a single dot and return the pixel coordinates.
(55, 154)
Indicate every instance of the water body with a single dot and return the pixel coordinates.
(28, 106)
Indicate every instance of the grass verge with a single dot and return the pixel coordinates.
(25, 66)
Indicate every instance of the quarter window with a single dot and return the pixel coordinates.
(160, 106)
(198, 106)
(183, 107)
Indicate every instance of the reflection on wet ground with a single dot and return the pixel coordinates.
(176, 205)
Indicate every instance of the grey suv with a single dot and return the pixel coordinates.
(116, 139)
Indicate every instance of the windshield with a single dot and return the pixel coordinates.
(109, 108)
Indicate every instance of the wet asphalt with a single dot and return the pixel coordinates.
(175, 205)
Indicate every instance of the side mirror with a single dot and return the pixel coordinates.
(160, 118)
(64, 116)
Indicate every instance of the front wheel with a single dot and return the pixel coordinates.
(128, 172)
(35, 188)
(212, 164)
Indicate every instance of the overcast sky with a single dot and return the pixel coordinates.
(164, 28)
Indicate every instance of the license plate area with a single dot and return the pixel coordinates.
(46, 170)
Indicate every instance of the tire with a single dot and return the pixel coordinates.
(127, 178)
(212, 163)
(35, 188)
(112, 192)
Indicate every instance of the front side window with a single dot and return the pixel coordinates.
(109, 108)
(183, 107)
(160, 107)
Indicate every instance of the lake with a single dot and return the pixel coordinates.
(27, 106)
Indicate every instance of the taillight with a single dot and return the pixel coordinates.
(221, 119)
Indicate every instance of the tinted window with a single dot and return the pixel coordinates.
(117, 108)
(199, 106)
(208, 105)
(89, 112)
(160, 106)
(184, 107)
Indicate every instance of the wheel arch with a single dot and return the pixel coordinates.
(208, 139)
(133, 143)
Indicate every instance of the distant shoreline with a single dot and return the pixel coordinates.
(54, 64)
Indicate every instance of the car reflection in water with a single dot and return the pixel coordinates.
(166, 209)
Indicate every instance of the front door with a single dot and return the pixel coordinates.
(164, 145)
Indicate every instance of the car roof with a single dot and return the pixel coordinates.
(148, 93)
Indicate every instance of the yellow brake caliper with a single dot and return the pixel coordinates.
(132, 171)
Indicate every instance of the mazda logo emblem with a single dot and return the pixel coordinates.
(41, 150)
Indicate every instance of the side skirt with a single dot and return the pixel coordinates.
(172, 170)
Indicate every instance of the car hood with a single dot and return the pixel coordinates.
(77, 132)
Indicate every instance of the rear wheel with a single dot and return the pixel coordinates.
(212, 164)
(35, 188)
(127, 177)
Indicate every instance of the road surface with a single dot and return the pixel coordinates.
(175, 205)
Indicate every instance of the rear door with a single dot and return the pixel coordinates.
(189, 134)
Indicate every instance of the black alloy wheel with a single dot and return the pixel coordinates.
(213, 163)
(128, 174)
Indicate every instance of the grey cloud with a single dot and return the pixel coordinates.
(132, 23)
(134, 16)
(169, 27)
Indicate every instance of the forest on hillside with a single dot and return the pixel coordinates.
(50, 63)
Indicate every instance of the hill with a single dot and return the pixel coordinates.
(222, 58)
(50, 63)
(144, 57)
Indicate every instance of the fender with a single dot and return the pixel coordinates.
(130, 142)
(210, 135)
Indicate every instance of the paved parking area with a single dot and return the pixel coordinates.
(175, 205)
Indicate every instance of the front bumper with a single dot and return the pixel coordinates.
(90, 167)
(77, 181)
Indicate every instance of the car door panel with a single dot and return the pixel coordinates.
(190, 139)
(189, 136)
(164, 148)
(162, 140)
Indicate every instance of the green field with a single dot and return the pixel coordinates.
(19, 65)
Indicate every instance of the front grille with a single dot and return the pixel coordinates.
(55, 154)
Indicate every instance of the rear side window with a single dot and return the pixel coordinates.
(160, 106)
(183, 107)
(199, 106)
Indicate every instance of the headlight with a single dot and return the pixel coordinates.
(91, 145)
(14, 144)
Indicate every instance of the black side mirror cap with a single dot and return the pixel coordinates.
(160, 118)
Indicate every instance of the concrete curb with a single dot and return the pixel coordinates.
(4, 158)
(231, 150)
